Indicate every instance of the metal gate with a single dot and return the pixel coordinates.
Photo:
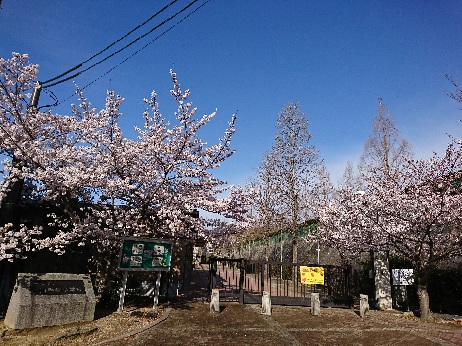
(228, 276)
(244, 281)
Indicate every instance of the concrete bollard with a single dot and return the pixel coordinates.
(315, 304)
(266, 303)
(215, 301)
(363, 305)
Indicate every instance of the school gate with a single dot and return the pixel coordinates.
(245, 280)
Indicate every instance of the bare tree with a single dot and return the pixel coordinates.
(321, 192)
(385, 147)
(289, 174)
(457, 94)
(349, 179)
(264, 208)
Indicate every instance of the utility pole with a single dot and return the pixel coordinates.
(9, 212)
(13, 196)
(36, 95)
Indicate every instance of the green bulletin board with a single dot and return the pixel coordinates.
(145, 254)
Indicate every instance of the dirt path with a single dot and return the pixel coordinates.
(193, 324)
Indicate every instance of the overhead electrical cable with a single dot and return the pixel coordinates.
(112, 44)
(123, 48)
(135, 53)
(53, 96)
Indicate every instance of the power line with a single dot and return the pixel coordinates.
(123, 48)
(112, 44)
(135, 53)
(53, 96)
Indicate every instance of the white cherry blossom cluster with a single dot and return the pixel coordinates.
(15, 243)
(104, 184)
(413, 212)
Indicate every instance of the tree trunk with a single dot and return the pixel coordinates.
(424, 299)
(106, 270)
(103, 275)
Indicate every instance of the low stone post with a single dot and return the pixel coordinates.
(315, 304)
(215, 300)
(363, 305)
(266, 303)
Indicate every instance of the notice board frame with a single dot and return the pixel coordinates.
(152, 254)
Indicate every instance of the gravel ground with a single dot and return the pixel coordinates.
(106, 326)
(193, 324)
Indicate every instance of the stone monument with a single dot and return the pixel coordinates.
(40, 300)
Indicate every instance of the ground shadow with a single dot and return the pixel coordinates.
(104, 308)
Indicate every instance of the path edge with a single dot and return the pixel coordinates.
(137, 331)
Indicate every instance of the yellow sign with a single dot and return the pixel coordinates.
(312, 275)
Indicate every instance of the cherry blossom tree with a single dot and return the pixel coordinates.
(410, 208)
(103, 184)
(413, 211)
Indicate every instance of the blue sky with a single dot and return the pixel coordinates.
(335, 58)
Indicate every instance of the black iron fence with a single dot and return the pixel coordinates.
(245, 281)
(227, 275)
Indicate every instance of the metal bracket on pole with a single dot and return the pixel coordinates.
(156, 294)
(122, 292)
(36, 95)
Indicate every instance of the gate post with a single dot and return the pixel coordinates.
(241, 281)
(348, 283)
(262, 277)
(212, 274)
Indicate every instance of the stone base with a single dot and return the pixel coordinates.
(40, 300)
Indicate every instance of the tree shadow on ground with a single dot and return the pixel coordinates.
(104, 309)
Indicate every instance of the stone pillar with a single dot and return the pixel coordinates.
(363, 305)
(315, 304)
(383, 299)
(265, 304)
(215, 300)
